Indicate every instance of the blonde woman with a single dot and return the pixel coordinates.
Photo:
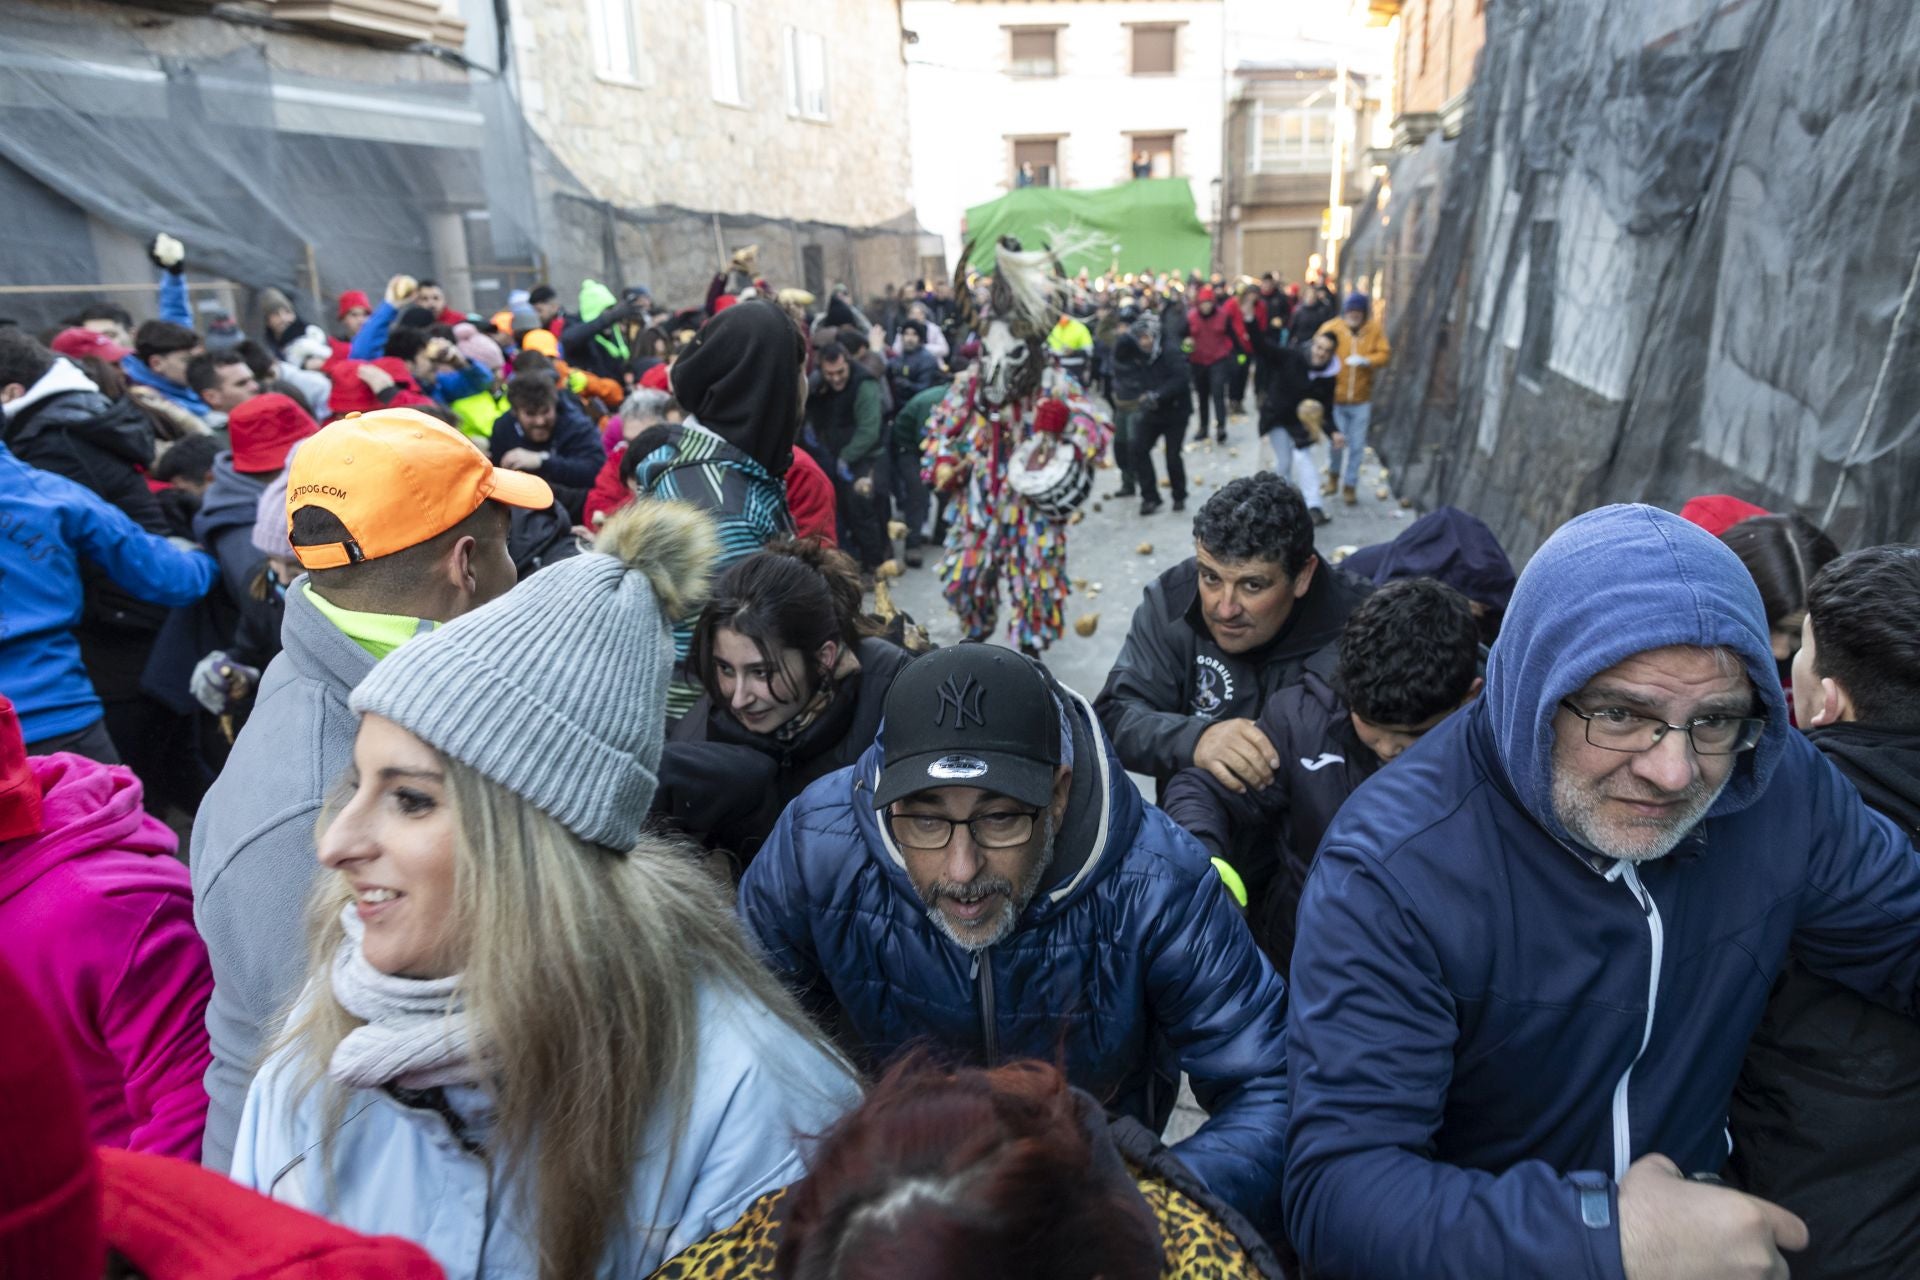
(533, 1039)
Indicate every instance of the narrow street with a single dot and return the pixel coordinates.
(1115, 551)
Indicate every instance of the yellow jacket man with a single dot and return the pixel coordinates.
(1360, 343)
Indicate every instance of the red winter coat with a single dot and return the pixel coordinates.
(1218, 336)
(608, 494)
(810, 499)
(350, 395)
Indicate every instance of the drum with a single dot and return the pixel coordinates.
(1055, 488)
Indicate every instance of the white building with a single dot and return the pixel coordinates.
(1072, 88)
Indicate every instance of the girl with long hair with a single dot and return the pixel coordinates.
(533, 1039)
(794, 678)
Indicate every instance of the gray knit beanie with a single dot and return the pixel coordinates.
(581, 742)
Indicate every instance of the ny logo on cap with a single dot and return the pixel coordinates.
(965, 700)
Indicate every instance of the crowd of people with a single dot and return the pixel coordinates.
(591, 873)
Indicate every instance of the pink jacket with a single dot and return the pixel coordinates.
(96, 916)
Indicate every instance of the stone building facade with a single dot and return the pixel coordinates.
(674, 129)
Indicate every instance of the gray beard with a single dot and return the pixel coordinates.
(1017, 898)
(1578, 807)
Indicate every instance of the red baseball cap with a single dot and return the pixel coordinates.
(176, 1221)
(656, 378)
(1719, 512)
(78, 343)
(264, 428)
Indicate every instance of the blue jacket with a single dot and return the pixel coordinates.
(574, 452)
(759, 1093)
(174, 308)
(1491, 1022)
(47, 524)
(1130, 966)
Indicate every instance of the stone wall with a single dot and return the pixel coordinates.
(665, 140)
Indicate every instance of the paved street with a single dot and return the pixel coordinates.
(1104, 553)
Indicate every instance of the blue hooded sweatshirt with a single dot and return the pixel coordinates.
(1490, 1022)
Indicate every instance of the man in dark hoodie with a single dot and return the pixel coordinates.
(1531, 954)
(986, 880)
(845, 419)
(1826, 1116)
(1451, 546)
(1216, 635)
(1409, 658)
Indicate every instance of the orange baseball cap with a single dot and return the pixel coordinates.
(395, 478)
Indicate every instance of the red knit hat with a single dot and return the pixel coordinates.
(49, 1179)
(19, 789)
(656, 379)
(1719, 512)
(1051, 416)
(264, 428)
(176, 1221)
(1206, 294)
(354, 298)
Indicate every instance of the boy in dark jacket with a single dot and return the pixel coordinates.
(1409, 658)
(1826, 1117)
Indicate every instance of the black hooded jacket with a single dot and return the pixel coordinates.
(712, 761)
(1825, 1119)
(740, 377)
(1269, 836)
(1171, 682)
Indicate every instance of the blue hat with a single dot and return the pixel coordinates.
(1357, 301)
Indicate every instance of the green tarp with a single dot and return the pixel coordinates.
(1145, 225)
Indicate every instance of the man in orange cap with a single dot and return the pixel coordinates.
(401, 523)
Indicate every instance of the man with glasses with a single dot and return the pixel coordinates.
(1532, 953)
(987, 882)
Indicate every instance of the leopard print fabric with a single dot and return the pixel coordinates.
(1196, 1246)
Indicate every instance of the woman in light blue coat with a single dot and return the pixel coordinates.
(533, 1038)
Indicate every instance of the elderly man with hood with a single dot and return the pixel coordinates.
(742, 382)
(1532, 953)
(986, 881)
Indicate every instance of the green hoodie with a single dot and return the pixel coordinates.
(595, 300)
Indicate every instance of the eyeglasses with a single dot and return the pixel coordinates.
(988, 830)
(1614, 729)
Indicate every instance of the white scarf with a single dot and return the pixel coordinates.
(417, 1034)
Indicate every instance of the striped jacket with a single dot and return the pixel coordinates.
(748, 505)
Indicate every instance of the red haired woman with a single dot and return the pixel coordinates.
(1010, 1174)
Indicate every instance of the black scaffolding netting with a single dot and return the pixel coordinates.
(1678, 254)
(271, 175)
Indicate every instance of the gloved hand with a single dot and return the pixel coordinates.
(400, 288)
(218, 682)
(1358, 361)
(168, 253)
(1186, 346)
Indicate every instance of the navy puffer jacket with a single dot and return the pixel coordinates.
(1130, 966)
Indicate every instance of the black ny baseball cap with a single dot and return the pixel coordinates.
(974, 715)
